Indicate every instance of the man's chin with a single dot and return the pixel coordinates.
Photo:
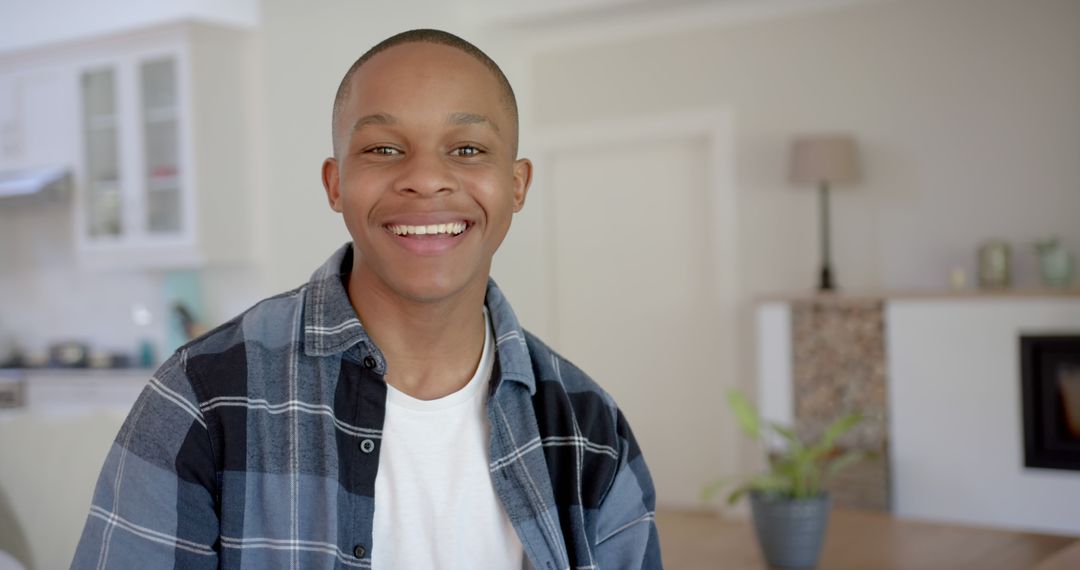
(432, 288)
(419, 283)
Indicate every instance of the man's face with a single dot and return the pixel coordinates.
(426, 176)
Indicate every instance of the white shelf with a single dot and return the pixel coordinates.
(163, 183)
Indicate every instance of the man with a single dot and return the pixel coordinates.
(437, 433)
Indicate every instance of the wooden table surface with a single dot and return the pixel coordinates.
(863, 540)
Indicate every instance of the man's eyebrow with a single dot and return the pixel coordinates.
(471, 119)
(374, 119)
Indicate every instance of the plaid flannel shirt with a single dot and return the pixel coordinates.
(257, 445)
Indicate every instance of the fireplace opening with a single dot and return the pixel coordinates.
(1050, 383)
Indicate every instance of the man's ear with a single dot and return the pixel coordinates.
(523, 171)
(330, 183)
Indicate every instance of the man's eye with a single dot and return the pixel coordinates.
(383, 150)
(466, 151)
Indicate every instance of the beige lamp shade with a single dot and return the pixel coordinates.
(824, 158)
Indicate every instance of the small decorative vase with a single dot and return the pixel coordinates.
(1055, 264)
(995, 265)
(790, 531)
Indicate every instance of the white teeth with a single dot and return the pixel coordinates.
(433, 229)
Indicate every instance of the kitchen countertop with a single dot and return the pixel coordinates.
(64, 391)
(78, 372)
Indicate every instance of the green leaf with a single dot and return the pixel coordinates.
(745, 414)
(819, 451)
(785, 466)
(764, 482)
(801, 455)
(844, 461)
(789, 436)
(839, 428)
(713, 488)
(804, 469)
(799, 470)
(738, 493)
(770, 482)
(785, 432)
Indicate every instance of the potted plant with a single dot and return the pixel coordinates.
(788, 502)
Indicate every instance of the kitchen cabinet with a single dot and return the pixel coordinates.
(135, 182)
(10, 125)
(156, 125)
(165, 166)
(35, 105)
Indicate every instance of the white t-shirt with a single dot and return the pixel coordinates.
(435, 503)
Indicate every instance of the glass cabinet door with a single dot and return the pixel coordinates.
(161, 141)
(100, 132)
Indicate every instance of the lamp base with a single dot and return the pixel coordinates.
(826, 249)
(827, 283)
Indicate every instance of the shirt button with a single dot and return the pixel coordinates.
(370, 362)
(367, 446)
(358, 551)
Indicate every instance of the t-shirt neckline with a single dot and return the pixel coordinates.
(466, 393)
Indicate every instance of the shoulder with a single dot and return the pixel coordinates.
(268, 326)
(576, 414)
(563, 386)
(559, 373)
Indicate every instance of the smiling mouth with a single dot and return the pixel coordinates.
(429, 231)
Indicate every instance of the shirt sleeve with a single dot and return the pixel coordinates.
(626, 535)
(154, 503)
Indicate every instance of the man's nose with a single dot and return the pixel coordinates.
(424, 173)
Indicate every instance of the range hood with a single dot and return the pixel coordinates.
(32, 184)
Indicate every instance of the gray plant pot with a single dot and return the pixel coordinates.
(790, 532)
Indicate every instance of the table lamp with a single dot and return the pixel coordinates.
(824, 160)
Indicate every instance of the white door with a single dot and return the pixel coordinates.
(642, 296)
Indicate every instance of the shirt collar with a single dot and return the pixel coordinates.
(330, 322)
(514, 360)
(332, 327)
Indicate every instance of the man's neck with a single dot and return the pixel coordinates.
(431, 348)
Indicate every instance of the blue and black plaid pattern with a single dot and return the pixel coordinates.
(257, 445)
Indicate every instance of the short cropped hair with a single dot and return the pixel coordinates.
(422, 36)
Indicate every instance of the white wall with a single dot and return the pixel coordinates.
(955, 414)
(966, 112)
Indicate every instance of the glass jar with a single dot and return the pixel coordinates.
(995, 265)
